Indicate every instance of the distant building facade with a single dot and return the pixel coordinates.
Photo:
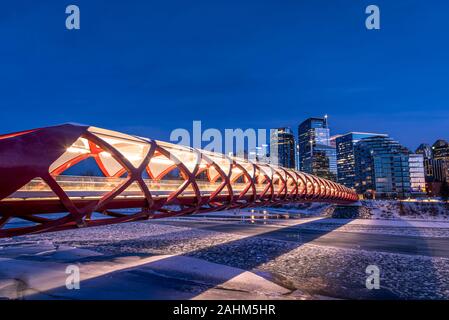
(382, 168)
(333, 140)
(345, 155)
(440, 151)
(315, 153)
(434, 170)
(425, 150)
(417, 175)
(282, 147)
(436, 165)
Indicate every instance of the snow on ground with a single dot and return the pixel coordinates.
(398, 226)
(142, 237)
(417, 219)
(382, 209)
(341, 273)
(420, 210)
(39, 272)
(308, 268)
(422, 229)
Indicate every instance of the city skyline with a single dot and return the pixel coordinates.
(373, 164)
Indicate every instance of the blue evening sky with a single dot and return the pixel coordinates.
(148, 67)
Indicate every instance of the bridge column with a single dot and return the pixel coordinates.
(351, 211)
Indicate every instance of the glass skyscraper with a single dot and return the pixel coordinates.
(315, 153)
(345, 155)
(436, 165)
(382, 168)
(440, 151)
(282, 147)
(434, 168)
(425, 150)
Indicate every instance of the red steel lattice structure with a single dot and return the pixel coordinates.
(157, 178)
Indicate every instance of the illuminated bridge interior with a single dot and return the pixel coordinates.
(55, 178)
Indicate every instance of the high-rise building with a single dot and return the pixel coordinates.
(345, 155)
(440, 151)
(333, 140)
(417, 175)
(382, 168)
(282, 147)
(425, 150)
(435, 169)
(315, 153)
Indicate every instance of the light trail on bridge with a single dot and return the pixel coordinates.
(155, 178)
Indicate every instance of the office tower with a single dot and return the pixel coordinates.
(345, 155)
(382, 168)
(315, 153)
(282, 147)
(435, 175)
(436, 165)
(440, 151)
(417, 175)
(434, 169)
(333, 140)
(425, 150)
(435, 160)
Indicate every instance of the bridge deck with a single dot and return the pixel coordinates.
(95, 187)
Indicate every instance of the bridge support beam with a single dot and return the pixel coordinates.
(154, 179)
(351, 211)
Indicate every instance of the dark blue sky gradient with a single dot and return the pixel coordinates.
(148, 67)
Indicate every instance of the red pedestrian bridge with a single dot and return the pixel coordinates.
(71, 176)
